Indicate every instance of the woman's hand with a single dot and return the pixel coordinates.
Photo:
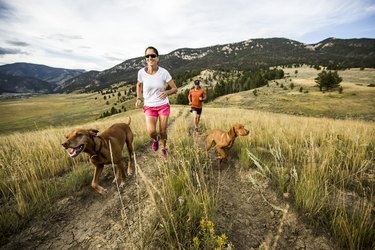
(138, 103)
(163, 95)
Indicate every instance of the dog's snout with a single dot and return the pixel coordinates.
(244, 132)
(65, 144)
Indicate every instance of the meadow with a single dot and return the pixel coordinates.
(324, 166)
(297, 94)
(45, 111)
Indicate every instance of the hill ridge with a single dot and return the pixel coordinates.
(243, 55)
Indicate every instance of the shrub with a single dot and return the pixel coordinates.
(328, 80)
(340, 89)
(208, 239)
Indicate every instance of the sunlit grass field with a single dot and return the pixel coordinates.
(356, 101)
(324, 165)
(35, 170)
(44, 111)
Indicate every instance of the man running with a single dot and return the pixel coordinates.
(196, 97)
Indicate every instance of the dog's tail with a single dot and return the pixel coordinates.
(129, 120)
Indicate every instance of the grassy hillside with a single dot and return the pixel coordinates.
(39, 112)
(323, 166)
(356, 101)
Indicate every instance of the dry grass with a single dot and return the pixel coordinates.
(44, 111)
(185, 192)
(35, 170)
(356, 101)
(327, 166)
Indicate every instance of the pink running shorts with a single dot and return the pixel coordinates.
(163, 110)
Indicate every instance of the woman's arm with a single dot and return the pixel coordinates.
(172, 90)
(139, 94)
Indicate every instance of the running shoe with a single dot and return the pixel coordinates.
(155, 144)
(165, 152)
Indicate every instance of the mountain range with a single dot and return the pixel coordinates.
(252, 53)
(33, 78)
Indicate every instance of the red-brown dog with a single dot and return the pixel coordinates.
(224, 140)
(97, 146)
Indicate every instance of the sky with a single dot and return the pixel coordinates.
(99, 34)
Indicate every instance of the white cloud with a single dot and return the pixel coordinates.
(95, 34)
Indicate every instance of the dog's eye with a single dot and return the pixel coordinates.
(78, 134)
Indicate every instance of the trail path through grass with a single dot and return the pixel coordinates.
(87, 220)
(251, 214)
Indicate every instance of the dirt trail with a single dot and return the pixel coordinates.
(251, 213)
(87, 220)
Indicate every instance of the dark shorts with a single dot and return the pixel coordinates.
(198, 110)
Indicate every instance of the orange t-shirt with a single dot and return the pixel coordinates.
(195, 94)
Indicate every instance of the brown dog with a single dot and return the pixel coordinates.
(224, 140)
(97, 146)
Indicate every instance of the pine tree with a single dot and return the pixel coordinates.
(328, 80)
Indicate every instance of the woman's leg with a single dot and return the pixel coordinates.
(163, 125)
(151, 126)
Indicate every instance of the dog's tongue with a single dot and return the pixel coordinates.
(76, 151)
(73, 153)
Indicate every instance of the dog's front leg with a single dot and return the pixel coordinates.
(222, 155)
(98, 170)
(221, 152)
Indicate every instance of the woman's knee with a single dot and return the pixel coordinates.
(151, 132)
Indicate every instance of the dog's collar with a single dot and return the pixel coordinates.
(232, 130)
(97, 152)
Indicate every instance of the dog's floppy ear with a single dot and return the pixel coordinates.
(93, 132)
(232, 132)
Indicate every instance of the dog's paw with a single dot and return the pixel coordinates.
(100, 190)
(130, 172)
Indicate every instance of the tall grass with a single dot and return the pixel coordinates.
(326, 165)
(186, 193)
(35, 170)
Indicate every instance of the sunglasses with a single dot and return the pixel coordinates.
(151, 55)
